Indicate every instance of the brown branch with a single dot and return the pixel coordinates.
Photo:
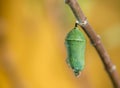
(95, 39)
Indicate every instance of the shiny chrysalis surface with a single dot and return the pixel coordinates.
(75, 43)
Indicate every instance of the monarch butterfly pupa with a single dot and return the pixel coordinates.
(75, 43)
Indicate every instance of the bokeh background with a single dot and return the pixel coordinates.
(32, 50)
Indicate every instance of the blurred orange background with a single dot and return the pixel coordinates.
(32, 50)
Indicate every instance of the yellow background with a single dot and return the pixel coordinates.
(32, 50)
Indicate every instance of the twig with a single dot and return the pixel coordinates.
(95, 39)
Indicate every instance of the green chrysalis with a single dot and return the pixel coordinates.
(75, 43)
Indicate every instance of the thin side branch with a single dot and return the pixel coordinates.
(95, 39)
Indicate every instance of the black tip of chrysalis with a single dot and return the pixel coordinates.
(77, 73)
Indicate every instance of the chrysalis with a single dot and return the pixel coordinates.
(75, 43)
